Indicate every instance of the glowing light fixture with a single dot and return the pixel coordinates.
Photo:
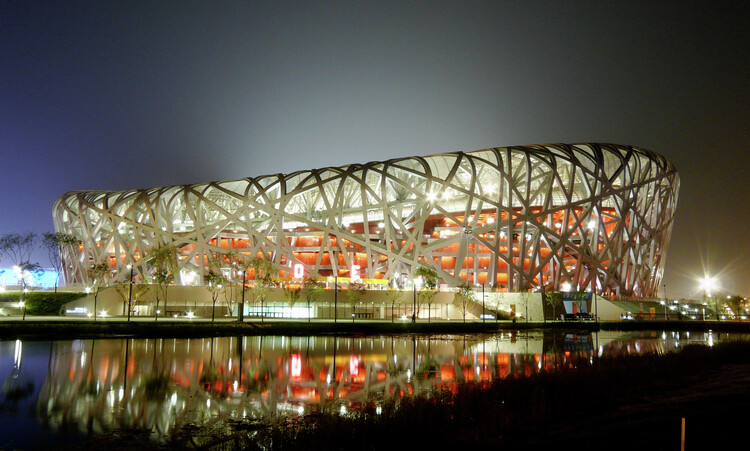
(708, 284)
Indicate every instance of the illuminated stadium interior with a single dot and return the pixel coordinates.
(596, 217)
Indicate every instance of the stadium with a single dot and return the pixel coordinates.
(557, 217)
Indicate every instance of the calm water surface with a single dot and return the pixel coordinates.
(56, 392)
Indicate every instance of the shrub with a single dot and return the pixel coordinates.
(42, 303)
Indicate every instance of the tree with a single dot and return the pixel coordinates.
(463, 297)
(163, 261)
(215, 282)
(18, 247)
(354, 294)
(716, 302)
(735, 303)
(429, 290)
(97, 275)
(292, 295)
(262, 270)
(395, 294)
(123, 289)
(60, 247)
(554, 299)
(26, 269)
(313, 291)
(220, 276)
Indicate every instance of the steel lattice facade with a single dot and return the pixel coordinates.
(595, 216)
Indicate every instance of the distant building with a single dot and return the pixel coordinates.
(10, 278)
(580, 217)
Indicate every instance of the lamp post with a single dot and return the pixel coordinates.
(707, 285)
(414, 307)
(130, 291)
(483, 311)
(213, 304)
(336, 297)
(88, 291)
(241, 313)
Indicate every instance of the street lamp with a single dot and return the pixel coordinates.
(88, 291)
(336, 297)
(241, 313)
(130, 292)
(484, 316)
(666, 313)
(213, 301)
(707, 285)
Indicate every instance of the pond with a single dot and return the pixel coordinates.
(57, 392)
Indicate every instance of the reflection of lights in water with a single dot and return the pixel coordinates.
(17, 356)
(354, 365)
(296, 365)
(186, 394)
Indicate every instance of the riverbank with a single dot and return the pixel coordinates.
(66, 328)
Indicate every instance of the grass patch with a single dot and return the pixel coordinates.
(43, 303)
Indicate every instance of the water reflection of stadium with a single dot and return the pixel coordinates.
(160, 384)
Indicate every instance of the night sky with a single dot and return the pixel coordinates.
(123, 95)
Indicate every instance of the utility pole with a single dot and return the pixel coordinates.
(130, 291)
(414, 307)
(483, 310)
(241, 313)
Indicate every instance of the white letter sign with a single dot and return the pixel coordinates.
(355, 273)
